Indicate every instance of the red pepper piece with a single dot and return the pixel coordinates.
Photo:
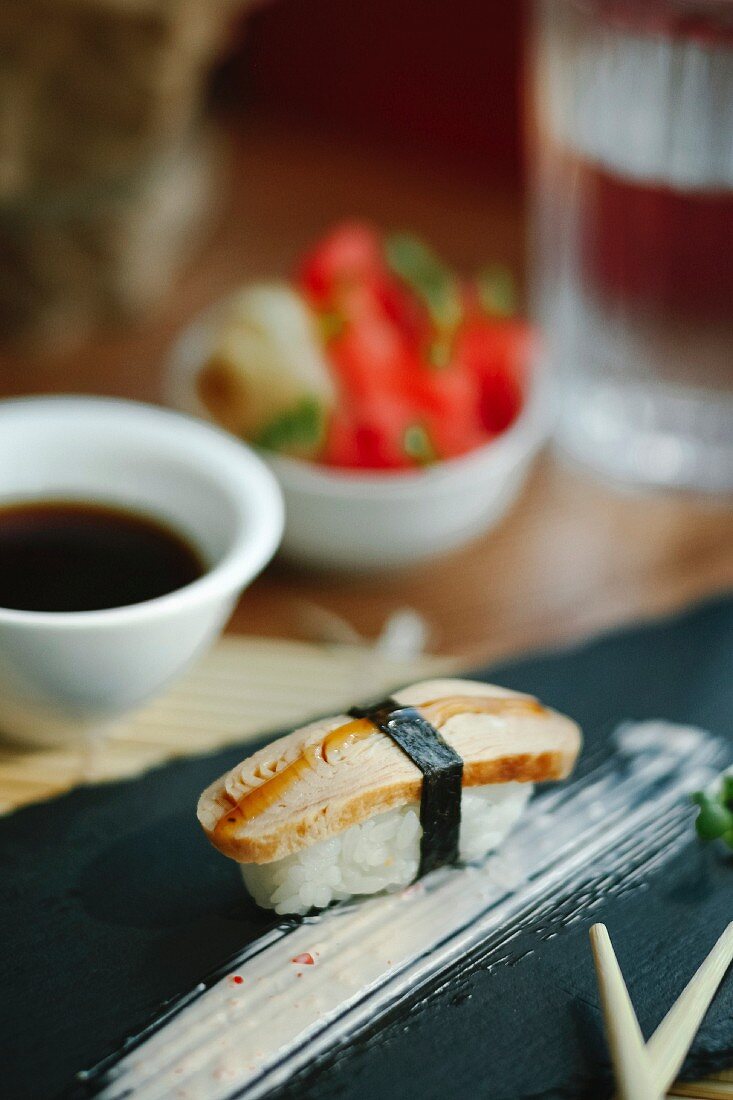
(350, 254)
(497, 354)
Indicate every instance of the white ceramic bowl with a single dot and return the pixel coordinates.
(354, 521)
(62, 674)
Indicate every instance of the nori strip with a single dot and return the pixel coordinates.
(442, 769)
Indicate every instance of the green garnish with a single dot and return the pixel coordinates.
(440, 352)
(496, 291)
(726, 790)
(331, 325)
(428, 277)
(298, 428)
(418, 445)
(715, 816)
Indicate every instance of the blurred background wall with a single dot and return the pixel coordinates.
(428, 75)
(109, 166)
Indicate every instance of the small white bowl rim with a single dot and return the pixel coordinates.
(250, 550)
(524, 436)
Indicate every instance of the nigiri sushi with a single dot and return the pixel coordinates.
(373, 799)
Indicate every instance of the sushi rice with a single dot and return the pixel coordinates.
(381, 853)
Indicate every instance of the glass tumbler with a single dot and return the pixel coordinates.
(631, 137)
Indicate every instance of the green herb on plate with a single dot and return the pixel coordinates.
(418, 446)
(331, 324)
(428, 277)
(299, 428)
(496, 291)
(715, 815)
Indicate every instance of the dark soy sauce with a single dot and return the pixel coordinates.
(74, 556)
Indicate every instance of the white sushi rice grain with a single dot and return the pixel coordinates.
(381, 853)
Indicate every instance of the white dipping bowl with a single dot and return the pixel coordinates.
(65, 674)
(367, 521)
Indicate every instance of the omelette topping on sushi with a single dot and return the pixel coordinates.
(373, 799)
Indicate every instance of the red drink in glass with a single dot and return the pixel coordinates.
(633, 254)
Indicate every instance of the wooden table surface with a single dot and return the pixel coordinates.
(574, 556)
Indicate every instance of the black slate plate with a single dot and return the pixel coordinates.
(112, 902)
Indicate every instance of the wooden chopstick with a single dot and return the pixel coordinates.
(670, 1042)
(632, 1065)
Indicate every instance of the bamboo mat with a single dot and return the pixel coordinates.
(242, 688)
(717, 1087)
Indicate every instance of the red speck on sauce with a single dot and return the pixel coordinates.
(305, 959)
(237, 979)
